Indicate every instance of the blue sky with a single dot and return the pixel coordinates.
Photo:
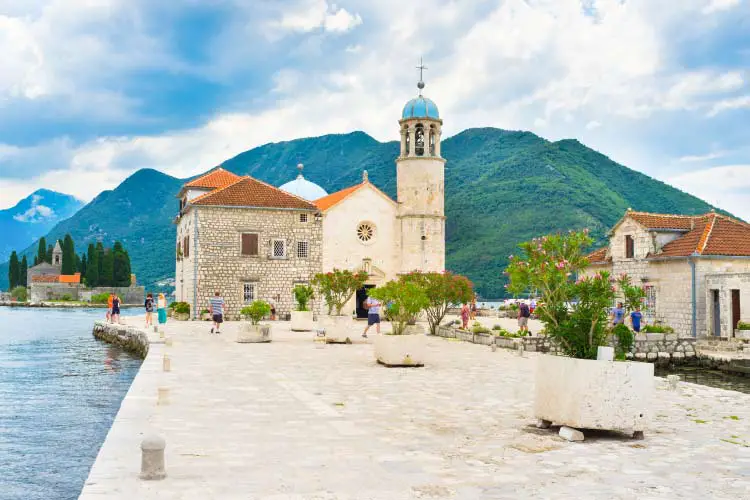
(92, 90)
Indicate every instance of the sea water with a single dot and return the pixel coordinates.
(60, 390)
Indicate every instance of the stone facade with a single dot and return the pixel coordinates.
(719, 305)
(214, 261)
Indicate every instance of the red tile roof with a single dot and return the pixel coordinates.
(664, 221)
(249, 192)
(599, 256)
(332, 199)
(712, 234)
(46, 278)
(216, 178)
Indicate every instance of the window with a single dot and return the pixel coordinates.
(365, 232)
(303, 218)
(303, 249)
(278, 249)
(249, 244)
(248, 293)
(432, 141)
(179, 251)
(186, 247)
(408, 142)
(629, 247)
(419, 140)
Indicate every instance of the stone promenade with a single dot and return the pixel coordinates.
(288, 421)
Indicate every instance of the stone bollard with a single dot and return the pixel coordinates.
(168, 342)
(493, 346)
(519, 350)
(156, 329)
(162, 396)
(604, 353)
(161, 333)
(167, 364)
(672, 381)
(152, 458)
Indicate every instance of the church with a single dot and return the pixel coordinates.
(249, 240)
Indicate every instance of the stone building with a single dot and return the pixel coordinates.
(357, 228)
(695, 269)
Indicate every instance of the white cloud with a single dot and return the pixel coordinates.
(593, 125)
(701, 158)
(36, 212)
(729, 104)
(316, 14)
(723, 186)
(720, 5)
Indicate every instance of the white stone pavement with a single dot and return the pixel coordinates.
(287, 420)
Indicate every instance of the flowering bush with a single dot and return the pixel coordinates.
(337, 287)
(406, 300)
(574, 312)
(442, 290)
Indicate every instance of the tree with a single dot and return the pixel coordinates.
(82, 267)
(406, 300)
(100, 257)
(121, 266)
(41, 254)
(92, 267)
(69, 256)
(337, 287)
(48, 257)
(108, 268)
(23, 278)
(14, 271)
(443, 290)
(20, 294)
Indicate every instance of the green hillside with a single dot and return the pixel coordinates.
(502, 187)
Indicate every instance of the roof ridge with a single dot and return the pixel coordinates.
(280, 190)
(731, 219)
(631, 212)
(707, 230)
(211, 172)
(218, 190)
(348, 192)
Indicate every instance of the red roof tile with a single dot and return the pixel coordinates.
(45, 278)
(664, 221)
(712, 234)
(216, 178)
(599, 256)
(332, 199)
(249, 192)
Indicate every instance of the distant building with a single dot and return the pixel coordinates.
(695, 269)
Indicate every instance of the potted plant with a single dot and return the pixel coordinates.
(743, 330)
(205, 315)
(254, 332)
(181, 311)
(442, 290)
(337, 288)
(405, 346)
(302, 318)
(576, 389)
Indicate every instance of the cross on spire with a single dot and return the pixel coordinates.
(421, 68)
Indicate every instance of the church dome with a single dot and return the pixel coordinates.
(303, 188)
(420, 107)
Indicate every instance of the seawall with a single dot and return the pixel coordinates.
(129, 338)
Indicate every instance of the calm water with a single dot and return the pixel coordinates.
(60, 390)
(710, 378)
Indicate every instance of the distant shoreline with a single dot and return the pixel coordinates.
(68, 305)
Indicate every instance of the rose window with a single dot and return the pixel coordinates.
(365, 232)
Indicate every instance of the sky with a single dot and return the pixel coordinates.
(93, 90)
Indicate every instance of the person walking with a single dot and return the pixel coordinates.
(161, 309)
(373, 314)
(473, 309)
(635, 318)
(465, 316)
(523, 317)
(109, 307)
(618, 315)
(115, 309)
(149, 306)
(217, 312)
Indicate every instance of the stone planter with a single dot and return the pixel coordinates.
(302, 321)
(339, 329)
(250, 333)
(170, 312)
(590, 394)
(742, 334)
(401, 350)
(180, 316)
(206, 317)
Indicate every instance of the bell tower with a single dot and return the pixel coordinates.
(420, 179)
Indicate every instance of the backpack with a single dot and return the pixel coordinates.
(525, 310)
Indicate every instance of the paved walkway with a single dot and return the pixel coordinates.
(287, 420)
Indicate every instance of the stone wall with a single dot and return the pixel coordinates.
(129, 338)
(724, 284)
(39, 292)
(215, 256)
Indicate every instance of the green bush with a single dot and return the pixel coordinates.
(181, 308)
(743, 326)
(625, 339)
(408, 300)
(205, 311)
(20, 294)
(303, 294)
(99, 298)
(256, 311)
(171, 306)
(657, 329)
(478, 328)
(66, 297)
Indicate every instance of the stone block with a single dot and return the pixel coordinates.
(690, 354)
(655, 337)
(652, 356)
(641, 337)
(571, 434)
(641, 356)
(678, 355)
(664, 355)
(400, 350)
(670, 337)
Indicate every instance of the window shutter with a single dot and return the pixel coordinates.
(249, 244)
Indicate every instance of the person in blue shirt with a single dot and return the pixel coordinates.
(618, 315)
(635, 319)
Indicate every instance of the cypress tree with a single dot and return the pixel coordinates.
(23, 278)
(82, 266)
(92, 267)
(119, 265)
(69, 256)
(48, 257)
(129, 269)
(14, 270)
(41, 253)
(108, 267)
(100, 258)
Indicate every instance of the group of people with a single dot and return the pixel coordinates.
(160, 306)
(618, 317)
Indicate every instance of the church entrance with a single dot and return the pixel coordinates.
(361, 297)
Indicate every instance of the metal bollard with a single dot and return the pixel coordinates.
(162, 398)
(167, 364)
(672, 381)
(152, 458)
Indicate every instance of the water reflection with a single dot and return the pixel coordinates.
(710, 378)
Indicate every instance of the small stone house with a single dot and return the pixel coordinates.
(245, 239)
(695, 269)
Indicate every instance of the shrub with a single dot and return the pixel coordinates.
(657, 329)
(625, 339)
(497, 327)
(205, 311)
(303, 294)
(20, 294)
(66, 297)
(172, 305)
(406, 300)
(743, 326)
(442, 290)
(256, 311)
(99, 298)
(478, 328)
(337, 287)
(181, 308)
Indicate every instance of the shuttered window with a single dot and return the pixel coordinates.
(186, 247)
(250, 244)
(629, 247)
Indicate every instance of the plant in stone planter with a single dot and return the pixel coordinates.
(442, 290)
(602, 395)
(256, 311)
(657, 329)
(181, 311)
(302, 318)
(743, 325)
(255, 332)
(205, 315)
(338, 287)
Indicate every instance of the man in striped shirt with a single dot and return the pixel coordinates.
(217, 311)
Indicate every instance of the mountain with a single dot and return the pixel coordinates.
(502, 187)
(32, 218)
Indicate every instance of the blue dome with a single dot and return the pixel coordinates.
(420, 107)
(304, 189)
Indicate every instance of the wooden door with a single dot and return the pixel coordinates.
(717, 314)
(735, 311)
